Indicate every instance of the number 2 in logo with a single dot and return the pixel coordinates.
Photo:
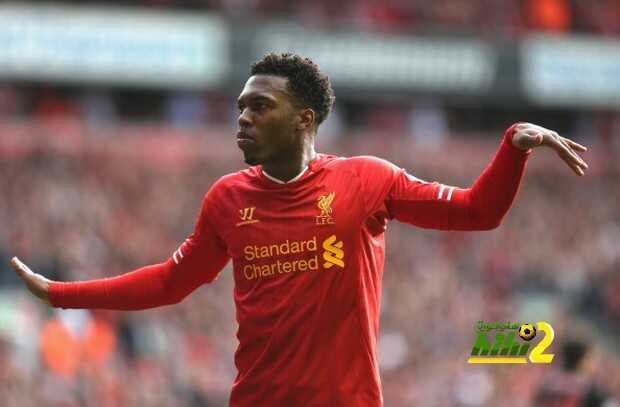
(537, 355)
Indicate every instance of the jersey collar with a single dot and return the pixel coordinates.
(274, 179)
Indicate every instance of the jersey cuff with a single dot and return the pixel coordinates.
(55, 290)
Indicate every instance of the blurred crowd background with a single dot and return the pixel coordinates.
(104, 161)
(510, 17)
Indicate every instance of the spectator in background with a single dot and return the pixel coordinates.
(97, 107)
(597, 16)
(52, 104)
(548, 15)
(9, 102)
(428, 124)
(186, 110)
(76, 340)
(571, 386)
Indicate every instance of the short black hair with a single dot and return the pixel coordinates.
(306, 82)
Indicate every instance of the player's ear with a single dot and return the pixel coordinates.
(305, 119)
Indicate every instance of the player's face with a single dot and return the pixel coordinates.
(267, 120)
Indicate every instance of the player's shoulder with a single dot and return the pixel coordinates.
(232, 181)
(235, 178)
(365, 164)
(369, 161)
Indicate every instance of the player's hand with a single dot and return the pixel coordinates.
(528, 135)
(36, 283)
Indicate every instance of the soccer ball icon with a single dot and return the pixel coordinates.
(527, 332)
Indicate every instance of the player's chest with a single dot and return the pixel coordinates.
(271, 217)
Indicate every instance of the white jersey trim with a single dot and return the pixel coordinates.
(274, 179)
(441, 189)
(450, 193)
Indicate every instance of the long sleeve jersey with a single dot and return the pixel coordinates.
(308, 261)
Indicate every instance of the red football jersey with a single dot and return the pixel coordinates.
(307, 260)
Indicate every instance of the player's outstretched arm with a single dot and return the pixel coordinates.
(197, 261)
(36, 283)
(483, 205)
(147, 287)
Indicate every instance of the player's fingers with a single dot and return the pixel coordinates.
(573, 154)
(575, 145)
(36, 283)
(25, 272)
(20, 268)
(553, 141)
(532, 135)
(568, 158)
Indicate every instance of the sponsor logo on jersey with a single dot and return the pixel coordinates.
(247, 216)
(333, 253)
(324, 204)
(271, 264)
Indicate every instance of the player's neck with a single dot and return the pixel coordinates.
(292, 166)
